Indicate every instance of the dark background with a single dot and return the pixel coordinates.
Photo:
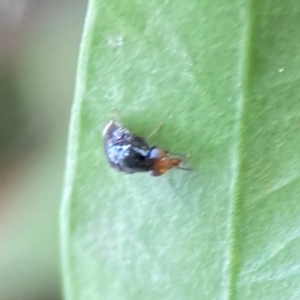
(39, 42)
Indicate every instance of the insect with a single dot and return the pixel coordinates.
(129, 153)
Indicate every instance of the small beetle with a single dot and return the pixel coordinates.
(130, 153)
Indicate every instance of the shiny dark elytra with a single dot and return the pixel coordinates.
(130, 153)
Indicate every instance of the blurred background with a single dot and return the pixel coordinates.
(39, 41)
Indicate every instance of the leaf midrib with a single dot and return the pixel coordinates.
(237, 182)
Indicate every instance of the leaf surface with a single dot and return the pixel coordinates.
(223, 77)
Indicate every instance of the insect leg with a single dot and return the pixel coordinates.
(159, 126)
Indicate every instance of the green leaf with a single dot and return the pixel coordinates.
(224, 77)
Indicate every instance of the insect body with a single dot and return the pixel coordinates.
(130, 153)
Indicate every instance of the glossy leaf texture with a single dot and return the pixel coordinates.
(224, 78)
